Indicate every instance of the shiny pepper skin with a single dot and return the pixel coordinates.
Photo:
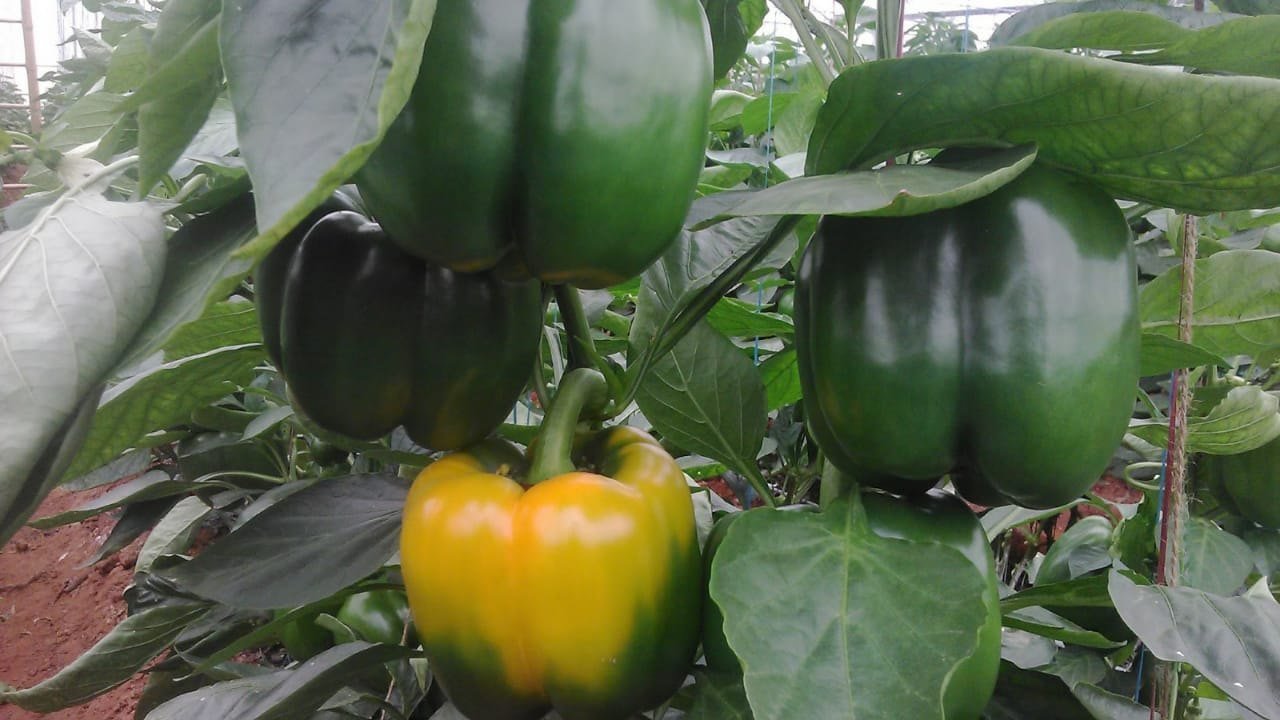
(561, 136)
(581, 593)
(996, 342)
(369, 337)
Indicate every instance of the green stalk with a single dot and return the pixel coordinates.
(582, 392)
(582, 349)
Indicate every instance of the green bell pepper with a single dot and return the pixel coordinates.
(1249, 480)
(996, 342)
(565, 136)
(369, 337)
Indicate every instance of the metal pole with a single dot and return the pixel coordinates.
(33, 75)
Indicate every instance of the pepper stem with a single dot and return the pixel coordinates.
(582, 392)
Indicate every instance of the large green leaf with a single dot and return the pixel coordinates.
(1246, 46)
(733, 22)
(297, 692)
(892, 191)
(184, 82)
(75, 285)
(1237, 303)
(1023, 22)
(1162, 354)
(163, 396)
(315, 83)
(1233, 641)
(1141, 133)
(1212, 559)
(112, 660)
(719, 696)
(832, 621)
(1243, 419)
(305, 547)
(707, 397)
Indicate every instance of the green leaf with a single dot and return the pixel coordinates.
(1233, 641)
(893, 191)
(311, 106)
(199, 271)
(719, 696)
(167, 125)
(727, 107)
(293, 693)
(1250, 7)
(173, 533)
(228, 323)
(1046, 624)
(1212, 559)
(1030, 695)
(75, 285)
(1245, 419)
(153, 485)
(1103, 705)
(134, 520)
(827, 617)
(781, 375)
(707, 397)
(1026, 650)
(1088, 591)
(997, 521)
(733, 22)
(736, 318)
(305, 547)
(163, 396)
(1162, 354)
(111, 661)
(1086, 115)
(692, 263)
(1237, 302)
(1244, 46)
(88, 120)
(1023, 22)
(128, 66)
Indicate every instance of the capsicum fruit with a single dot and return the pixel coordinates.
(936, 517)
(996, 341)
(566, 134)
(1250, 480)
(369, 337)
(580, 593)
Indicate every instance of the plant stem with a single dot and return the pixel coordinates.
(582, 392)
(794, 13)
(582, 349)
(832, 485)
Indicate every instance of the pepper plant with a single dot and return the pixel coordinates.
(750, 329)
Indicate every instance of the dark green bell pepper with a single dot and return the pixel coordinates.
(369, 337)
(996, 342)
(1249, 480)
(565, 136)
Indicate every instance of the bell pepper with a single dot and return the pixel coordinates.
(369, 337)
(996, 342)
(936, 517)
(1249, 480)
(579, 590)
(566, 136)
(379, 616)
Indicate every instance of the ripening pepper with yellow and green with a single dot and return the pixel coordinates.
(555, 587)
